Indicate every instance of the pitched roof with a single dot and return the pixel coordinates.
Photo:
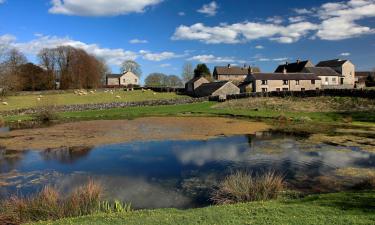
(209, 88)
(282, 76)
(364, 74)
(292, 67)
(321, 71)
(331, 63)
(194, 79)
(114, 75)
(233, 70)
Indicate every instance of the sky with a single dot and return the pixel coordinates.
(162, 35)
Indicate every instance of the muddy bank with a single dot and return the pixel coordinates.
(92, 133)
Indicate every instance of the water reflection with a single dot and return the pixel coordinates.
(178, 173)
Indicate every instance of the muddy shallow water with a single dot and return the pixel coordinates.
(100, 132)
(182, 173)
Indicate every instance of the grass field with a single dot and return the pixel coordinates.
(31, 101)
(338, 208)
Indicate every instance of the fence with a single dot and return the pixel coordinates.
(360, 93)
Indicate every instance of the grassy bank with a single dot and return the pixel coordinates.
(339, 208)
(32, 101)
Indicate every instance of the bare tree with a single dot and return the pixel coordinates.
(10, 77)
(187, 72)
(131, 66)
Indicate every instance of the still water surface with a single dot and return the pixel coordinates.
(178, 173)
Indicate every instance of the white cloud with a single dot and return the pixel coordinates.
(259, 47)
(212, 59)
(181, 13)
(100, 7)
(243, 32)
(165, 65)
(296, 19)
(138, 41)
(303, 11)
(340, 19)
(275, 20)
(345, 54)
(2, 1)
(209, 9)
(159, 56)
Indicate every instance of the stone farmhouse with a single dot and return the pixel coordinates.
(267, 82)
(122, 80)
(333, 73)
(233, 73)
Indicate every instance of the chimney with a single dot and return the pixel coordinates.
(286, 63)
(298, 61)
(244, 65)
(229, 66)
(285, 71)
(250, 70)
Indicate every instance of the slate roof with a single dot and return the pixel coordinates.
(209, 88)
(321, 71)
(282, 76)
(296, 67)
(114, 75)
(233, 70)
(194, 79)
(364, 74)
(331, 63)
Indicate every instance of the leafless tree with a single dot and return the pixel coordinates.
(10, 66)
(187, 72)
(132, 66)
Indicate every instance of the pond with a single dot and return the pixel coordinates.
(176, 173)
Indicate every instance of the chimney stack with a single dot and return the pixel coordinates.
(250, 70)
(298, 61)
(286, 63)
(285, 70)
(229, 66)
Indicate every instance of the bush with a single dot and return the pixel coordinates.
(46, 115)
(244, 187)
(366, 184)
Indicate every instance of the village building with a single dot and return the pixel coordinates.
(328, 76)
(268, 82)
(364, 79)
(122, 80)
(219, 88)
(194, 83)
(344, 67)
(235, 74)
(296, 67)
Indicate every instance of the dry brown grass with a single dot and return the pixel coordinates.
(244, 187)
(49, 204)
(312, 104)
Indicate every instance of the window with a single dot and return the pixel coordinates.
(278, 89)
(285, 82)
(312, 81)
(303, 89)
(285, 89)
(334, 79)
(124, 80)
(326, 79)
(264, 89)
(136, 80)
(297, 82)
(264, 82)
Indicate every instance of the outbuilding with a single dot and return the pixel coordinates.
(220, 88)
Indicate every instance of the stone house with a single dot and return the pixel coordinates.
(220, 88)
(267, 82)
(232, 73)
(344, 67)
(122, 80)
(194, 83)
(328, 76)
(364, 79)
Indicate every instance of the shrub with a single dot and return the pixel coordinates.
(244, 187)
(367, 183)
(46, 115)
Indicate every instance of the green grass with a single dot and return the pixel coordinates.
(30, 101)
(339, 208)
(205, 109)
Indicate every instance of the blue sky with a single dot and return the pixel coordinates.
(164, 34)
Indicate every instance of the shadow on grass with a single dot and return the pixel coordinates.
(364, 200)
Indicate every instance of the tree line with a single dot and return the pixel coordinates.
(71, 68)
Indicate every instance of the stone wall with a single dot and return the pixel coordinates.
(303, 94)
(103, 106)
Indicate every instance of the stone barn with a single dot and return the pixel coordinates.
(221, 89)
(194, 83)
